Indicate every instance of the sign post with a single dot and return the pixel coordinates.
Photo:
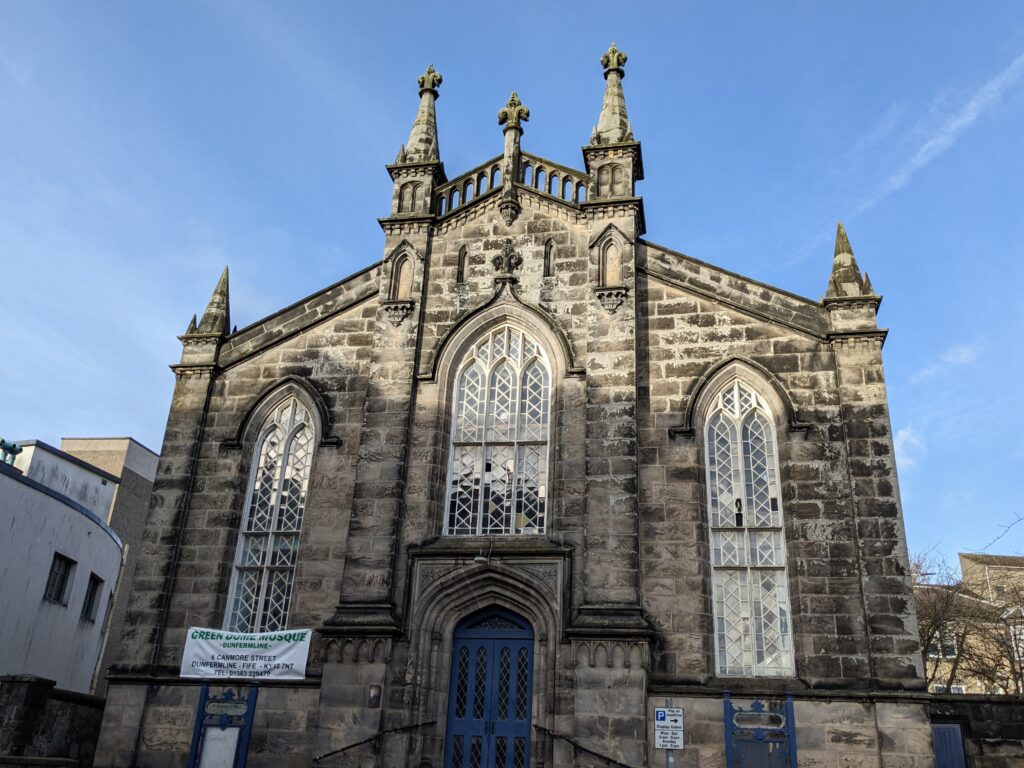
(668, 730)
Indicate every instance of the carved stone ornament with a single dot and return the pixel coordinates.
(396, 311)
(509, 209)
(612, 298)
(508, 261)
(513, 113)
(429, 80)
(613, 59)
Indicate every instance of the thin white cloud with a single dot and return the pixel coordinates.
(947, 134)
(910, 447)
(951, 357)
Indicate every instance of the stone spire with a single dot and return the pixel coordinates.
(613, 124)
(217, 317)
(422, 145)
(846, 279)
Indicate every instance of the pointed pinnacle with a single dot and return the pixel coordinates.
(422, 146)
(217, 317)
(842, 241)
(191, 326)
(846, 279)
(613, 123)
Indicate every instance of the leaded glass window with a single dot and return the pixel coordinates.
(268, 543)
(753, 634)
(497, 477)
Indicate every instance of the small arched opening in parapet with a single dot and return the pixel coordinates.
(442, 205)
(453, 200)
(495, 176)
(539, 179)
(467, 190)
(581, 193)
(567, 188)
(553, 184)
(611, 264)
(549, 255)
(401, 279)
(527, 174)
(618, 181)
(460, 276)
(481, 183)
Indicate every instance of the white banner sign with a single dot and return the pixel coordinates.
(214, 653)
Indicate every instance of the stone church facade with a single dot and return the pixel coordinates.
(528, 477)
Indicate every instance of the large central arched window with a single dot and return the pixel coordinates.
(268, 543)
(497, 476)
(748, 546)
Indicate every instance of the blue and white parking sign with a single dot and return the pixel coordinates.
(668, 727)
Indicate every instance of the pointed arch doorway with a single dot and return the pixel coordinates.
(491, 692)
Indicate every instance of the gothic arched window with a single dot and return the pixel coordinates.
(498, 465)
(401, 279)
(268, 542)
(753, 633)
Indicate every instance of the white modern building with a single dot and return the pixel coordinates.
(60, 557)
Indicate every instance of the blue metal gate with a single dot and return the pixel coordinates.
(491, 691)
(949, 745)
(760, 736)
(223, 725)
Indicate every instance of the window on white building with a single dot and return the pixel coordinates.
(753, 635)
(91, 604)
(268, 543)
(498, 465)
(59, 579)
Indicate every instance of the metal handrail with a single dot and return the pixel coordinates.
(375, 737)
(580, 747)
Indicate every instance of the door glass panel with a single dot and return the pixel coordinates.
(480, 693)
(504, 675)
(520, 754)
(462, 683)
(522, 684)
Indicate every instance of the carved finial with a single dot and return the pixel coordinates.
(430, 80)
(508, 261)
(400, 157)
(191, 326)
(513, 113)
(613, 59)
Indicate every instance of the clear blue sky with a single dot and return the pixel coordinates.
(143, 146)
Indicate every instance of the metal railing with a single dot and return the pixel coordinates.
(580, 748)
(375, 738)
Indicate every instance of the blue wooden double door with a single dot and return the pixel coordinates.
(491, 692)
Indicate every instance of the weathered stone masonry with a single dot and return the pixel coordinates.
(618, 589)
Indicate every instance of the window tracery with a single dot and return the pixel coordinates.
(497, 476)
(753, 632)
(268, 542)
